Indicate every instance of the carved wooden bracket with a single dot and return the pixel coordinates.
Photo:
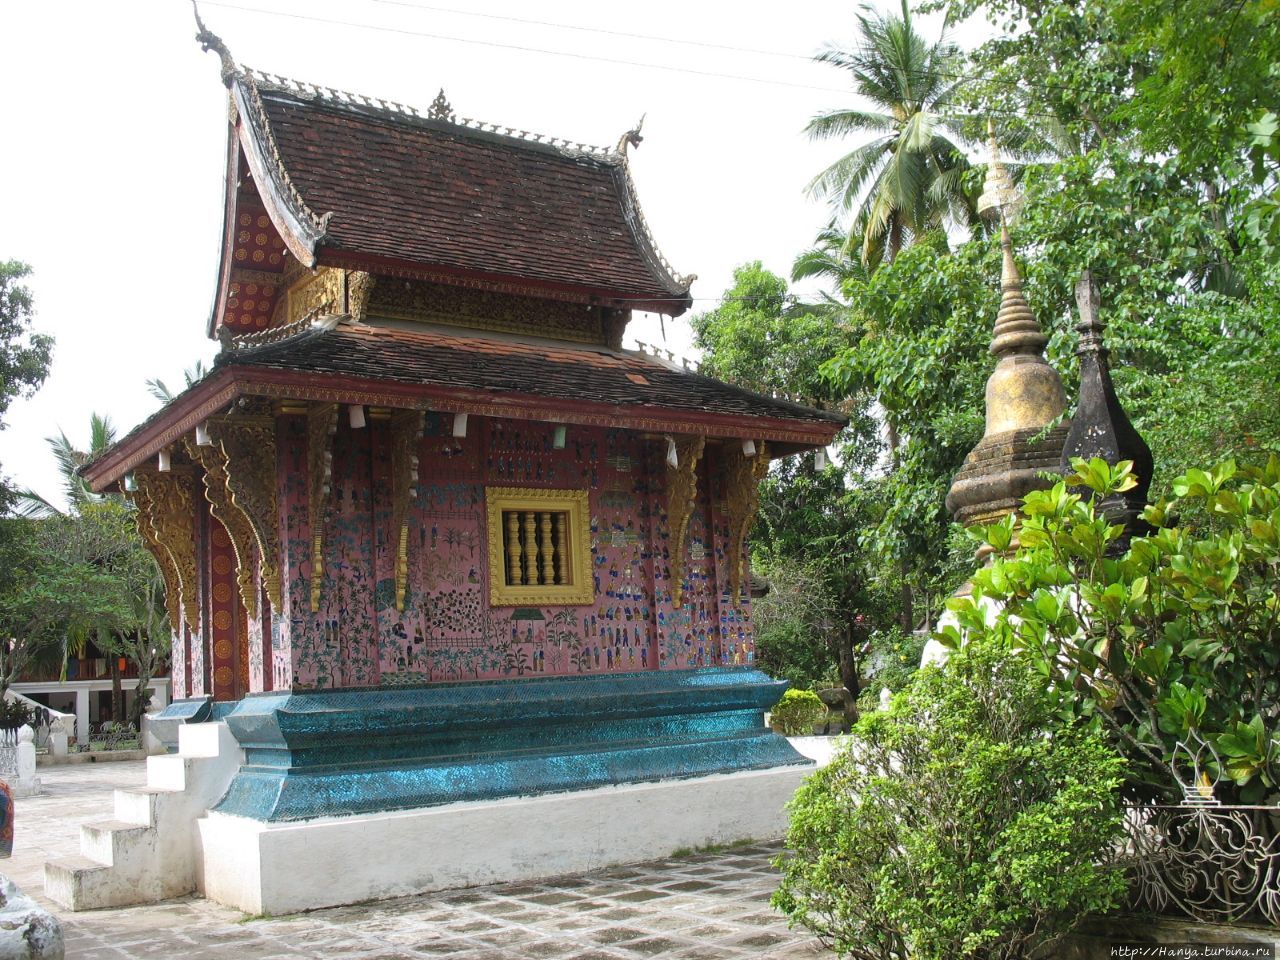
(164, 560)
(166, 503)
(742, 495)
(682, 492)
(322, 424)
(239, 529)
(248, 445)
(359, 286)
(406, 429)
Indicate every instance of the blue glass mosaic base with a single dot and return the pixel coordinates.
(341, 752)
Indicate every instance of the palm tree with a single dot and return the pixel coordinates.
(829, 259)
(908, 179)
(102, 434)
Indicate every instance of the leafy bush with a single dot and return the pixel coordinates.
(797, 712)
(965, 821)
(15, 714)
(1179, 633)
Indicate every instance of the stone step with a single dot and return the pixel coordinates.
(137, 805)
(167, 772)
(147, 852)
(77, 883)
(112, 842)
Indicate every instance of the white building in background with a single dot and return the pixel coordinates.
(87, 694)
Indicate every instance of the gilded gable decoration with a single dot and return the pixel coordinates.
(214, 461)
(682, 491)
(324, 291)
(322, 424)
(248, 445)
(165, 501)
(406, 429)
(742, 495)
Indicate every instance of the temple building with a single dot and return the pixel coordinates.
(430, 534)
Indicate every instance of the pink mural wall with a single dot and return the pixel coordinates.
(180, 663)
(447, 629)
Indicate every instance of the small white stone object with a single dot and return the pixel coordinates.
(886, 698)
(27, 930)
(58, 737)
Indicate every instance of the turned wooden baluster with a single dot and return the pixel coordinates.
(557, 538)
(513, 548)
(544, 542)
(530, 547)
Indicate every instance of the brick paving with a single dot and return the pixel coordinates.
(712, 906)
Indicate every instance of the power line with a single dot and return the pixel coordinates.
(598, 30)
(513, 46)
(649, 65)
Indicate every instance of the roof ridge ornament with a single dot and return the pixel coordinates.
(631, 137)
(209, 40)
(441, 109)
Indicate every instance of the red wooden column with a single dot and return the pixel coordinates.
(225, 613)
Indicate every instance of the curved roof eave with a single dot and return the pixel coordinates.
(300, 228)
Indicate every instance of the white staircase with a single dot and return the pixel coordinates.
(151, 850)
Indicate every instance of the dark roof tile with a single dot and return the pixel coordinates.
(531, 367)
(436, 193)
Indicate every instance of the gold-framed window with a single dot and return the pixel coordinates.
(539, 547)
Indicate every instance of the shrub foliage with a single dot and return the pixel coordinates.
(965, 821)
(797, 712)
(1178, 634)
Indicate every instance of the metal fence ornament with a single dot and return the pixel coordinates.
(1207, 860)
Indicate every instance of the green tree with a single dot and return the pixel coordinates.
(809, 540)
(909, 179)
(191, 376)
(24, 356)
(51, 587)
(99, 531)
(920, 327)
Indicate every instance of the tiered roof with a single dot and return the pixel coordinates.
(361, 185)
(364, 184)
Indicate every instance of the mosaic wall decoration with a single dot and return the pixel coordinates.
(196, 671)
(686, 634)
(180, 663)
(447, 629)
(258, 639)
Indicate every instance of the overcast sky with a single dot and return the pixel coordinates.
(115, 131)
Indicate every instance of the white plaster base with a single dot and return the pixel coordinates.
(263, 868)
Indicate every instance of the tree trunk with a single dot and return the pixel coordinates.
(117, 693)
(847, 664)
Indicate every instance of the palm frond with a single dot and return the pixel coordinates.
(32, 506)
(156, 387)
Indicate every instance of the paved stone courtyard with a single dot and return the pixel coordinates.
(706, 906)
